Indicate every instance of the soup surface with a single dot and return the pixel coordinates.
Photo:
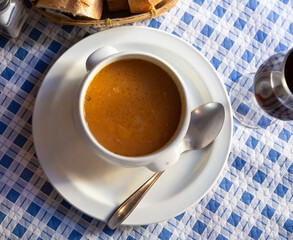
(132, 107)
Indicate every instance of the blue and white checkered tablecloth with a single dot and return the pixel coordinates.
(252, 198)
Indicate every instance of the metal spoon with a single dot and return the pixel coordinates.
(205, 124)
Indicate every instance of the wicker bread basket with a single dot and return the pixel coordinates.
(108, 19)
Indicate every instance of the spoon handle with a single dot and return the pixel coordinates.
(122, 212)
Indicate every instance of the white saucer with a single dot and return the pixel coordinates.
(97, 188)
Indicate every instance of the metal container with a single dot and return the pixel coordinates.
(12, 17)
(273, 85)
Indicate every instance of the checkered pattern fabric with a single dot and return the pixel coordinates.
(252, 198)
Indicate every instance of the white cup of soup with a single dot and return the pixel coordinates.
(131, 109)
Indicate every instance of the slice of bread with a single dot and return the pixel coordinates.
(117, 5)
(141, 6)
(82, 8)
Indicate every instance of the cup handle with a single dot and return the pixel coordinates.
(165, 161)
(99, 55)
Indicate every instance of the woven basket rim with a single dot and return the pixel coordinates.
(107, 22)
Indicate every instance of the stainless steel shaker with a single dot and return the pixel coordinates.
(12, 17)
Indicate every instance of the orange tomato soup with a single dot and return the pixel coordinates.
(132, 107)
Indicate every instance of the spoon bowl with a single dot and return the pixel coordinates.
(205, 124)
